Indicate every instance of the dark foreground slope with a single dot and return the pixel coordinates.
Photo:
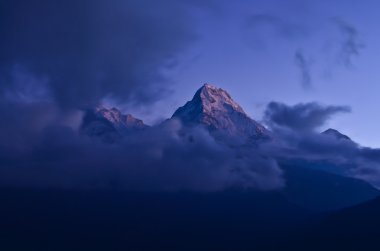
(232, 220)
(355, 228)
(109, 220)
(319, 190)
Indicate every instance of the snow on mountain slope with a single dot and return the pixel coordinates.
(119, 120)
(214, 108)
(109, 124)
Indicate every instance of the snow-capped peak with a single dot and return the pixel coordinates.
(216, 98)
(109, 124)
(213, 107)
(119, 120)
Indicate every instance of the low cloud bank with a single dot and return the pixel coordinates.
(40, 150)
(297, 133)
(42, 147)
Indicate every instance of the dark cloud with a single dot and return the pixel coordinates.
(351, 44)
(39, 150)
(72, 54)
(59, 56)
(367, 165)
(331, 154)
(88, 50)
(304, 66)
(297, 139)
(297, 133)
(300, 117)
(24, 86)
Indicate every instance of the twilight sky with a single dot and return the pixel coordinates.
(249, 48)
(149, 57)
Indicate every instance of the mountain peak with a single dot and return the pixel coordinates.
(336, 134)
(109, 124)
(214, 108)
(213, 97)
(118, 119)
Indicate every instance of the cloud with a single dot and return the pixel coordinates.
(351, 45)
(88, 50)
(22, 85)
(265, 29)
(297, 137)
(339, 156)
(58, 57)
(39, 150)
(296, 130)
(168, 157)
(300, 117)
(304, 66)
(40, 147)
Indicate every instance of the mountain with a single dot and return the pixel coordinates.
(313, 184)
(109, 124)
(48, 219)
(317, 190)
(320, 190)
(353, 228)
(238, 218)
(336, 134)
(214, 108)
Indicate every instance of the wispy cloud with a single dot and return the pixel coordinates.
(304, 66)
(351, 44)
(347, 43)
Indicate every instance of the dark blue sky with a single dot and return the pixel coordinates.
(297, 66)
(249, 48)
(149, 57)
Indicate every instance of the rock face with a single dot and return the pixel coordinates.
(214, 108)
(210, 107)
(336, 134)
(109, 124)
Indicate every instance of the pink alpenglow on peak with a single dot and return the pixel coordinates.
(119, 120)
(110, 124)
(214, 108)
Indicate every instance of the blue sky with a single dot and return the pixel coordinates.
(149, 57)
(256, 63)
(311, 61)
